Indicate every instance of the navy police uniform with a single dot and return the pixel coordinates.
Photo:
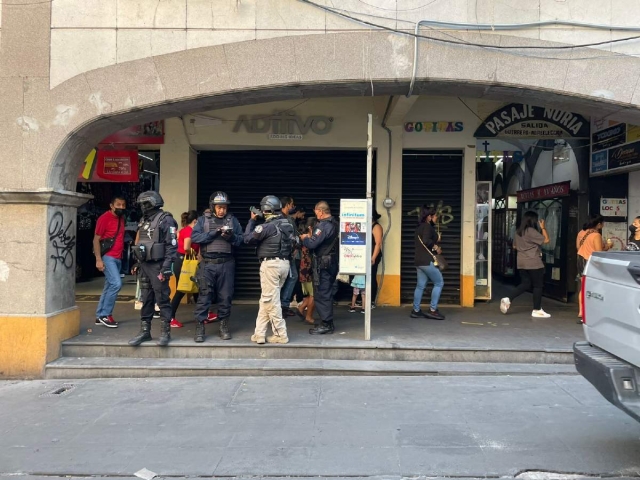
(324, 248)
(218, 238)
(155, 253)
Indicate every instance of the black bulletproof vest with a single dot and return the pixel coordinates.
(219, 245)
(150, 237)
(278, 245)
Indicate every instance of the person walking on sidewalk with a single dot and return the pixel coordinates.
(218, 235)
(185, 246)
(426, 246)
(274, 238)
(589, 240)
(108, 246)
(527, 242)
(155, 252)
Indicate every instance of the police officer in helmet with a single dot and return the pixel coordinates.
(155, 251)
(323, 243)
(218, 235)
(274, 239)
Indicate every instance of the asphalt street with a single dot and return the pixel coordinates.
(461, 426)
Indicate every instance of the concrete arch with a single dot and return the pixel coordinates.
(83, 110)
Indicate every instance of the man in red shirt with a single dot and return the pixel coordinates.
(110, 229)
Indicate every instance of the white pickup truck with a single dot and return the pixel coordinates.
(610, 358)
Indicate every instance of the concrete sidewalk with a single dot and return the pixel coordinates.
(482, 327)
(314, 426)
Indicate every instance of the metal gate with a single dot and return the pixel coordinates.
(307, 176)
(432, 177)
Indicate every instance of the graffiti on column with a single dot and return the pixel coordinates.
(445, 213)
(61, 241)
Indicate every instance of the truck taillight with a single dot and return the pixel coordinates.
(583, 289)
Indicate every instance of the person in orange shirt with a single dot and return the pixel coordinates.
(590, 240)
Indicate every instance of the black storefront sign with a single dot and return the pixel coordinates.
(624, 156)
(529, 121)
(609, 137)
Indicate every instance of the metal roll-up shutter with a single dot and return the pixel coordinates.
(248, 175)
(432, 177)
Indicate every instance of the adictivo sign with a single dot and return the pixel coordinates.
(285, 123)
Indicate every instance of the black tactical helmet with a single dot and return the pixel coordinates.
(149, 201)
(270, 204)
(218, 198)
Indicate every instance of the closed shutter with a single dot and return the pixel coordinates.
(248, 175)
(432, 177)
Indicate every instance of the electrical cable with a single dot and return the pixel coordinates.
(462, 42)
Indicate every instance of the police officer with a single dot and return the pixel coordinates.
(275, 240)
(323, 243)
(218, 234)
(155, 251)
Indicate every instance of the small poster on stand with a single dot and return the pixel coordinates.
(353, 236)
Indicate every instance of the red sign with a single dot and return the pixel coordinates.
(110, 166)
(545, 193)
(151, 133)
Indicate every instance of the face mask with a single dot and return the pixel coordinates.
(632, 228)
(119, 211)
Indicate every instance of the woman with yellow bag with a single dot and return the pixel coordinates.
(187, 253)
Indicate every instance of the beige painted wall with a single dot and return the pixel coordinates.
(349, 130)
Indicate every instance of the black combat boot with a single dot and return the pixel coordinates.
(165, 334)
(323, 329)
(224, 329)
(144, 335)
(199, 337)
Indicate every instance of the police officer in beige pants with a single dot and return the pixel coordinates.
(274, 239)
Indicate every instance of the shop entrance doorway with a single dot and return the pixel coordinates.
(432, 177)
(306, 175)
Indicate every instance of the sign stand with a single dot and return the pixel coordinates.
(367, 304)
(355, 235)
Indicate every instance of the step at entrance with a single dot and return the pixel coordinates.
(129, 367)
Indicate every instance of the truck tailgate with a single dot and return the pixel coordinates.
(612, 304)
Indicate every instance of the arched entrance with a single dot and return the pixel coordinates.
(58, 127)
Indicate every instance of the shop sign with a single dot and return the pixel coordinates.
(546, 192)
(433, 127)
(613, 207)
(287, 124)
(353, 236)
(599, 162)
(151, 133)
(609, 137)
(529, 121)
(110, 166)
(624, 156)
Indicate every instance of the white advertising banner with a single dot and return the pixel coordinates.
(613, 207)
(353, 236)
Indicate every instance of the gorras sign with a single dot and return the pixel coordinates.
(529, 121)
(286, 123)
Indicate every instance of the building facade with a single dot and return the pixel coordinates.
(73, 72)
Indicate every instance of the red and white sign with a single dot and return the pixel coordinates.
(544, 193)
(110, 166)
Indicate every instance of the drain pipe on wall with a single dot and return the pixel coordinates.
(415, 59)
(387, 202)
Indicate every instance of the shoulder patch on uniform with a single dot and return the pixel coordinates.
(258, 229)
(317, 232)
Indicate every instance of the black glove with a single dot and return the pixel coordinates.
(167, 272)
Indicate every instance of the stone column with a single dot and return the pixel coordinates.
(37, 278)
(178, 170)
(468, 270)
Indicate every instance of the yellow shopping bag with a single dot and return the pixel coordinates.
(189, 268)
